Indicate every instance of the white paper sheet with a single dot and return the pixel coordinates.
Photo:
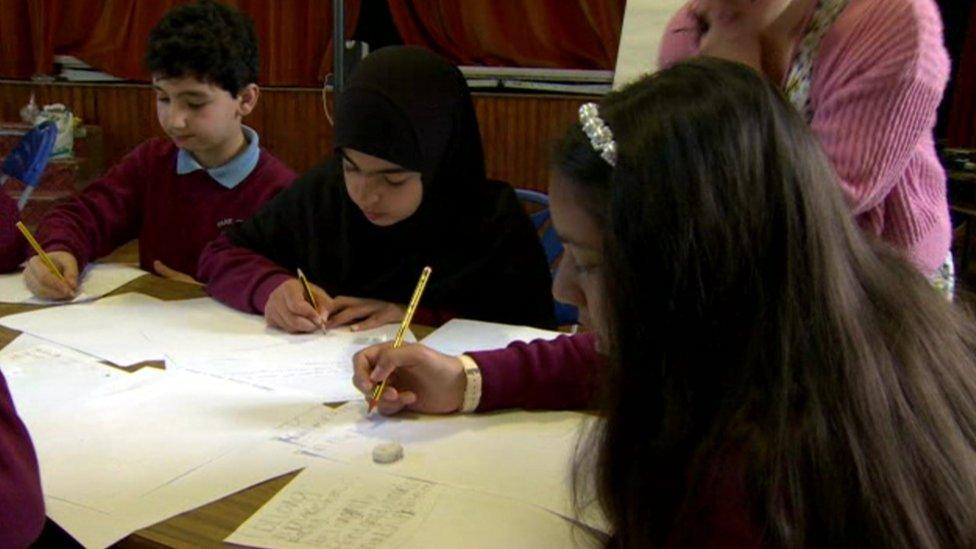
(110, 328)
(459, 336)
(91, 528)
(134, 449)
(228, 474)
(97, 280)
(146, 431)
(321, 367)
(525, 456)
(42, 375)
(132, 328)
(204, 325)
(341, 506)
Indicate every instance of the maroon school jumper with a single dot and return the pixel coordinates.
(244, 280)
(562, 375)
(21, 502)
(173, 216)
(13, 247)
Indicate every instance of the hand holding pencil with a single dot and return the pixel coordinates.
(297, 307)
(404, 325)
(310, 296)
(51, 275)
(425, 381)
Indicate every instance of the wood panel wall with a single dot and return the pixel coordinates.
(517, 130)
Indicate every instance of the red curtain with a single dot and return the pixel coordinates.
(962, 118)
(578, 34)
(20, 34)
(295, 36)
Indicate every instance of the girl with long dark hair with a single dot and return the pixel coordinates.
(773, 375)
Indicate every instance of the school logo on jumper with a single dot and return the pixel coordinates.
(227, 222)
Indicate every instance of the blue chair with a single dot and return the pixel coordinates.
(27, 161)
(565, 313)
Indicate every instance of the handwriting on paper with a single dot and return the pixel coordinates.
(363, 511)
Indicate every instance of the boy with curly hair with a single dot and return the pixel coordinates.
(175, 195)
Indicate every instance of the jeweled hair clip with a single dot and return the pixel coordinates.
(601, 138)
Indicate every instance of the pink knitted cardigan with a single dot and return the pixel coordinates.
(878, 78)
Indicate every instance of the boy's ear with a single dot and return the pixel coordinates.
(247, 99)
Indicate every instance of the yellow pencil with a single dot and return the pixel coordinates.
(309, 295)
(40, 252)
(404, 324)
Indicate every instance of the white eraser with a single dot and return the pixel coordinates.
(387, 452)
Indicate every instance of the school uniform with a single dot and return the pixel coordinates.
(412, 108)
(563, 374)
(542, 375)
(159, 194)
(21, 500)
(13, 246)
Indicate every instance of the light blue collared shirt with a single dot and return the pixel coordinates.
(231, 173)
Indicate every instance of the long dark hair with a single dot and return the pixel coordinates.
(759, 341)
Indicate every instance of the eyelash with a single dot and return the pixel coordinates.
(586, 269)
(391, 182)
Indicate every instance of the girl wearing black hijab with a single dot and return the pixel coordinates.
(406, 188)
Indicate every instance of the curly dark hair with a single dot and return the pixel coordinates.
(207, 40)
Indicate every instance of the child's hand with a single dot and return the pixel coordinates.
(366, 313)
(288, 309)
(44, 284)
(172, 274)
(423, 380)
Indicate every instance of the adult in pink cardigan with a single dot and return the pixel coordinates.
(868, 75)
(775, 378)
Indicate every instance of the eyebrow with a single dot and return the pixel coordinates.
(572, 241)
(384, 171)
(185, 94)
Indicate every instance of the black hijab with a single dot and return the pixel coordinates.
(411, 107)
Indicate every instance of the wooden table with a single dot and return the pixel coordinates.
(149, 285)
(205, 526)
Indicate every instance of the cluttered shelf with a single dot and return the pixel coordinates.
(71, 167)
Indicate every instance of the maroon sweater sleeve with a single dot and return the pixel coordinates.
(21, 502)
(238, 276)
(432, 317)
(13, 246)
(104, 216)
(555, 375)
(244, 279)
